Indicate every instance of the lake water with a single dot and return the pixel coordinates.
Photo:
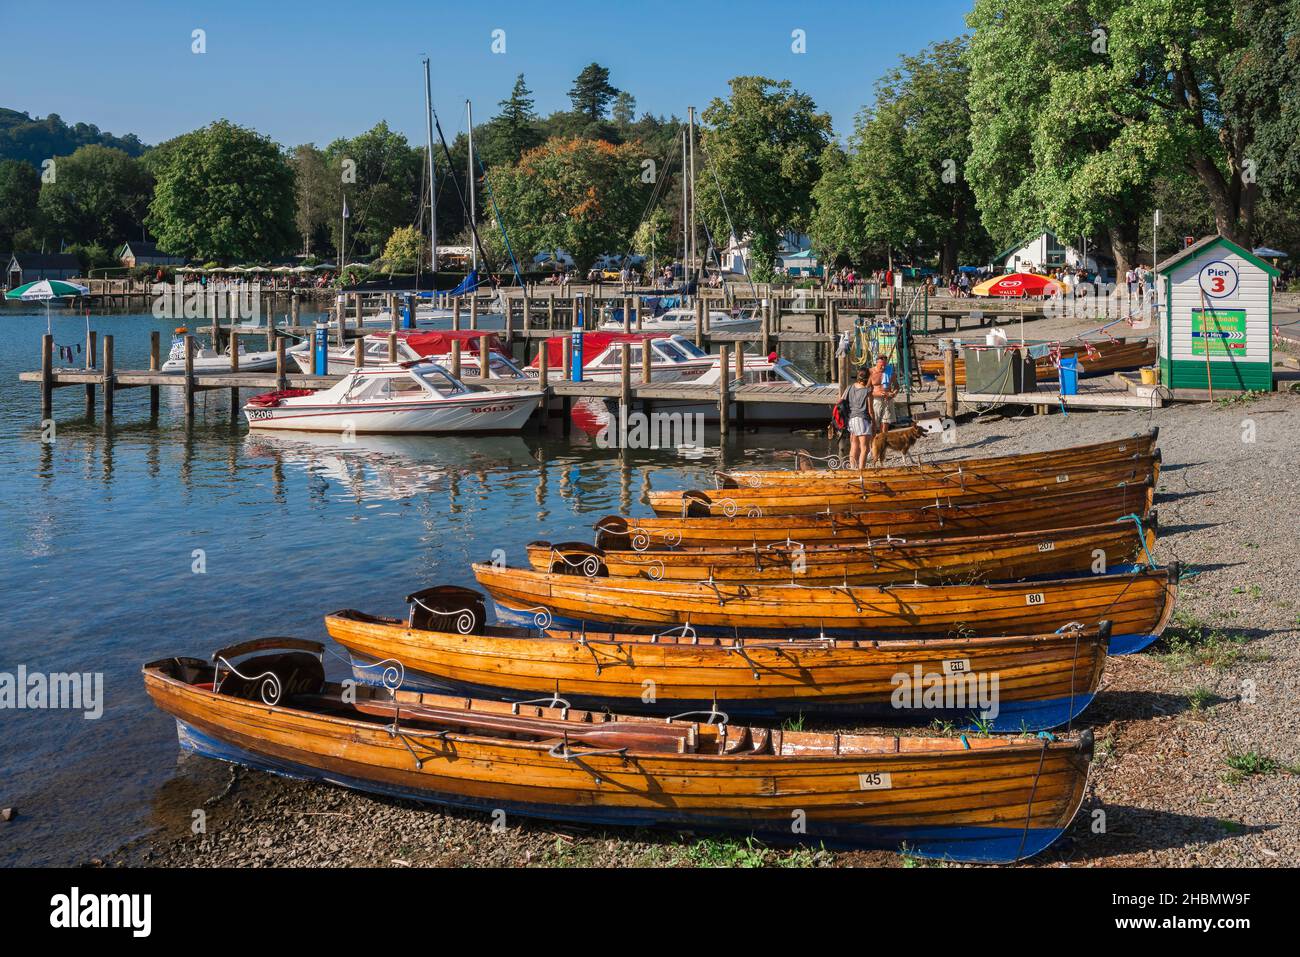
(101, 532)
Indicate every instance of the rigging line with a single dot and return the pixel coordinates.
(708, 161)
(469, 216)
(655, 195)
(492, 198)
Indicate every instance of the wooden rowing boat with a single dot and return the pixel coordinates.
(1138, 603)
(1058, 459)
(970, 798)
(1064, 510)
(885, 561)
(866, 492)
(1027, 683)
(1095, 358)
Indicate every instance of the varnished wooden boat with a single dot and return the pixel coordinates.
(864, 491)
(1137, 603)
(805, 474)
(1025, 683)
(967, 798)
(1064, 510)
(930, 561)
(1095, 358)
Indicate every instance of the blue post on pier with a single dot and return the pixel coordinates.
(408, 312)
(576, 352)
(321, 349)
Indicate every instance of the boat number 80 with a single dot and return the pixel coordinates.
(1034, 598)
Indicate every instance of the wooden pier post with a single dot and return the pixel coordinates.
(544, 371)
(295, 310)
(92, 347)
(699, 323)
(281, 380)
(189, 377)
(566, 359)
(234, 350)
(455, 314)
(627, 314)
(473, 310)
(724, 389)
(47, 376)
(765, 324)
(108, 377)
(455, 358)
(528, 312)
(550, 311)
(647, 376)
(340, 317)
(154, 358)
(484, 358)
(625, 379)
(358, 353)
(392, 347)
(949, 379)
(357, 310)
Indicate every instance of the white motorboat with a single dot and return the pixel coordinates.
(672, 358)
(412, 347)
(411, 398)
(682, 320)
(208, 360)
(780, 377)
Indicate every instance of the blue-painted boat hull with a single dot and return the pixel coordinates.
(1120, 644)
(986, 845)
(1012, 717)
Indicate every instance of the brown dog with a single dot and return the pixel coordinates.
(900, 440)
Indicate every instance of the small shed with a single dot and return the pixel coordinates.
(140, 253)
(1218, 322)
(30, 267)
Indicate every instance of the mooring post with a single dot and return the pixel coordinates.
(625, 379)
(566, 359)
(765, 324)
(108, 377)
(455, 358)
(357, 310)
(724, 389)
(455, 314)
(627, 314)
(484, 358)
(699, 323)
(92, 346)
(281, 380)
(646, 358)
(949, 379)
(189, 376)
(392, 347)
(47, 376)
(473, 310)
(359, 353)
(154, 358)
(340, 318)
(544, 370)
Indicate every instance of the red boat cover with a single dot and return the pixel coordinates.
(593, 344)
(439, 343)
(267, 399)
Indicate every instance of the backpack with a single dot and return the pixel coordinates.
(840, 414)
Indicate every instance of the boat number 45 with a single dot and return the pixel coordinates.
(875, 781)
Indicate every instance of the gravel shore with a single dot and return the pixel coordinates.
(1198, 739)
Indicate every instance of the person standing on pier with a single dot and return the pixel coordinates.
(859, 397)
(882, 397)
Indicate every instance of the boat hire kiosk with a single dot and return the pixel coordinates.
(1217, 335)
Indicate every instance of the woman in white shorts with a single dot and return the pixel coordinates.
(859, 396)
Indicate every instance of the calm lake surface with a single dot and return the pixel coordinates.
(99, 531)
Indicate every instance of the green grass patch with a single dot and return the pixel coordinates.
(1191, 642)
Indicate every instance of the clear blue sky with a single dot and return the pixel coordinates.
(308, 72)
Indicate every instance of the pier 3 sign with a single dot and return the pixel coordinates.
(1218, 280)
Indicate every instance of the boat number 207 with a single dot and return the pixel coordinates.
(1034, 598)
(875, 781)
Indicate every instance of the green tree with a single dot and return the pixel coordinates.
(314, 194)
(513, 131)
(905, 179)
(380, 173)
(20, 189)
(624, 111)
(764, 142)
(655, 237)
(584, 196)
(406, 248)
(838, 229)
(98, 195)
(591, 93)
(224, 192)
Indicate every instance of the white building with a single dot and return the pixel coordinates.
(1041, 252)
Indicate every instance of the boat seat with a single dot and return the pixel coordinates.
(298, 672)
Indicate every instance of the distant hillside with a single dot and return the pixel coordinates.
(35, 140)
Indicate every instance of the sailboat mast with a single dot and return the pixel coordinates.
(686, 210)
(433, 183)
(473, 215)
(694, 249)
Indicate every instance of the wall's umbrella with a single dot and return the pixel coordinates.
(43, 290)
